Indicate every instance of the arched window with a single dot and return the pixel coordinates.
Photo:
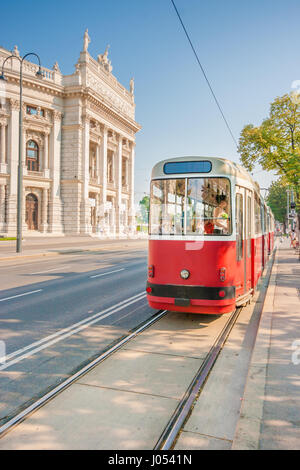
(32, 156)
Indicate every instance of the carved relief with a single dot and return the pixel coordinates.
(14, 104)
(126, 145)
(36, 136)
(109, 95)
(57, 115)
(85, 119)
(112, 137)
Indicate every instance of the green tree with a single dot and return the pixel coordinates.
(145, 206)
(275, 144)
(277, 200)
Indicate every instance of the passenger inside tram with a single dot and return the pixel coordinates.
(221, 219)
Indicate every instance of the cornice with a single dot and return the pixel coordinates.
(30, 178)
(72, 127)
(93, 99)
(72, 181)
(38, 122)
(100, 106)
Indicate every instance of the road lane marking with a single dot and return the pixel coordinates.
(110, 272)
(48, 270)
(69, 331)
(21, 295)
(74, 325)
(43, 261)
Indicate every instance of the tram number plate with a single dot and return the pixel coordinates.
(183, 302)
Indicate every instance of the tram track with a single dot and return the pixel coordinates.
(17, 419)
(171, 431)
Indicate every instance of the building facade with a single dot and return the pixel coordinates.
(78, 148)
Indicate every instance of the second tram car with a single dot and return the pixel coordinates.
(210, 235)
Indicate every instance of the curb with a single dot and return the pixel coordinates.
(61, 252)
(35, 255)
(248, 429)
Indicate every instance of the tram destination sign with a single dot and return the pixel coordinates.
(203, 166)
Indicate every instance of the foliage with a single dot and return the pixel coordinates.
(275, 144)
(145, 206)
(277, 199)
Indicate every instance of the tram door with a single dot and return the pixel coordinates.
(243, 240)
(248, 233)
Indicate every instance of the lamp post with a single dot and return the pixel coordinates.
(20, 164)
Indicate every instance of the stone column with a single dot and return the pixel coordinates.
(103, 178)
(44, 224)
(55, 204)
(2, 144)
(132, 225)
(98, 163)
(2, 208)
(46, 151)
(119, 184)
(13, 158)
(85, 225)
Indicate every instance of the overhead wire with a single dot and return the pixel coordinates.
(204, 74)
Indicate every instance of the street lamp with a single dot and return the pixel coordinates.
(20, 164)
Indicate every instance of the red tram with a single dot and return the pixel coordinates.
(210, 235)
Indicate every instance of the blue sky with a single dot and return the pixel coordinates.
(249, 50)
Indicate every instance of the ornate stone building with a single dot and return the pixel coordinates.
(78, 141)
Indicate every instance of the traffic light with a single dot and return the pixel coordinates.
(293, 205)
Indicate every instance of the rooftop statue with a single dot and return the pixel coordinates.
(86, 40)
(132, 86)
(56, 67)
(16, 51)
(103, 60)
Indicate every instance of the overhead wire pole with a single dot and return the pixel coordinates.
(203, 71)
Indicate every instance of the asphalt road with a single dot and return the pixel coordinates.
(58, 313)
(50, 244)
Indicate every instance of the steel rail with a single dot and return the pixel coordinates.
(17, 419)
(170, 433)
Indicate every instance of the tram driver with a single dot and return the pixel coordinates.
(221, 219)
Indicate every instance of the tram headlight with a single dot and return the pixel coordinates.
(185, 274)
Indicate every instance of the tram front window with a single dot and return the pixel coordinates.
(190, 206)
(167, 207)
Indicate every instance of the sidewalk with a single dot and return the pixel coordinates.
(34, 247)
(270, 412)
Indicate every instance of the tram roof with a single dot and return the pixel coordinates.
(220, 166)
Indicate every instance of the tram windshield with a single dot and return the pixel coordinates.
(190, 206)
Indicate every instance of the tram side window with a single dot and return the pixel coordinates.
(249, 228)
(265, 220)
(257, 215)
(239, 226)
